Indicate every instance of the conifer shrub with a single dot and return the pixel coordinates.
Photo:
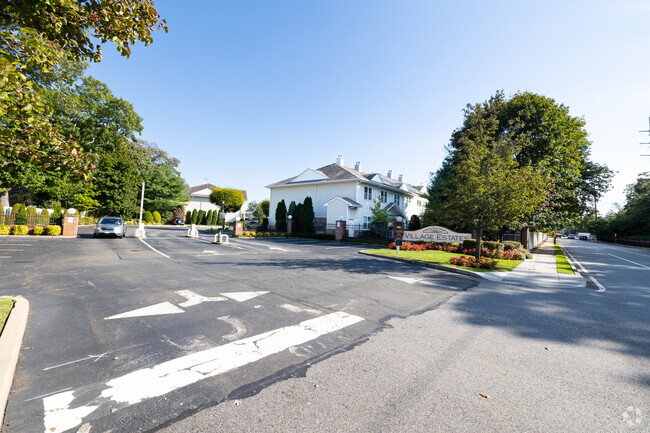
(200, 219)
(30, 210)
(188, 217)
(45, 212)
(57, 211)
(156, 217)
(194, 216)
(53, 230)
(208, 218)
(148, 217)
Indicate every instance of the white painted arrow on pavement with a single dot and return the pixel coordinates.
(168, 376)
(421, 281)
(152, 310)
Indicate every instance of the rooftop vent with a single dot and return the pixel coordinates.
(400, 178)
(357, 166)
(390, 174)
(339, 159)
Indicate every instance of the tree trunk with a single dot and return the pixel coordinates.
(479, 235)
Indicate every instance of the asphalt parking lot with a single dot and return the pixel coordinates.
(132, 335)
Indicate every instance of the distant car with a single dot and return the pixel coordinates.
(178, 221)
(583, 236)
(110, 226)
(572, 236)
(563, 236)
(251, 224)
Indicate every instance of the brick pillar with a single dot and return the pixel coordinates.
(238, 228)
(398, 229)
(340, 230)
(524, 237)
(289, 226)
(70, 223)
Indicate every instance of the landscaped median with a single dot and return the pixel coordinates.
(495, 257)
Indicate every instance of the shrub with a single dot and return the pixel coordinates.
(194, 216)
(148, 217)
(208, 218)
(200, 219)
(492, 245)
(58, 211)
(45, 212)
(31, 210)
(156, 217)
(16, 208)
(5, 230)
(53, 230)
(19, 230)
(273, 234)
(511, 245)
(471, 262)
(2, 209)
(188, 217)
(414, 223)
(267, 234)
(38, 230)
(469, 243)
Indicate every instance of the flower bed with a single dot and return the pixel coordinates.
(518, 254)
(471, 262)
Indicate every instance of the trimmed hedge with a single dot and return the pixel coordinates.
(492, 245)
(469, 243)
(38, 230)
(19, 230)
(156, 217)
(53, 230)
(511, 245)
(148, 217)
(5, 230)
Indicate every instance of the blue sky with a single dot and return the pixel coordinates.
(246, 93)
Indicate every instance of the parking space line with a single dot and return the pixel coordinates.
(297, 309)
(162, 254)
(635, 263)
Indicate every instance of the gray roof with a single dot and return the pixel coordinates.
(349, 201)
(335, 172)
(191, 190)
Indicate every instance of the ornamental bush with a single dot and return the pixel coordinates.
(53, 230)
(259, 234)
(38, 230)
(156, 217)
(31, 210)
(45, 212)
(469, 243)
(194, 216)
(471, 262)
(19, 230)
(208, 218)
(511, 245)
(58, 211)
(267, 234)
(148, 217)
(188, 217)
(492, 245)
(5, 230)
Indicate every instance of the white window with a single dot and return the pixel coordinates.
(367, 220)
(396, 199)
(367, 193)
(383, 196)
(407, 201)
(419, 203)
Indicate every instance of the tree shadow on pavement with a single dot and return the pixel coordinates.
(573, 316)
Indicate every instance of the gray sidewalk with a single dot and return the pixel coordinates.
(541, 271)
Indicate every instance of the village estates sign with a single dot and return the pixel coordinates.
(435, 234)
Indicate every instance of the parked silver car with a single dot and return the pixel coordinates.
(110, 226)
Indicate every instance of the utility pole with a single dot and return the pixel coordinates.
(648, 131)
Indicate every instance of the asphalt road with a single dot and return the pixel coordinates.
(130, 335)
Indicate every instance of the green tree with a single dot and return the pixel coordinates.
(292, 208)
(39, 37)
(491, 188)
(547, 138)
(231, 200)
(266, 205)
(308, 215)
(281, 216)
(414, 223)
(380, 218)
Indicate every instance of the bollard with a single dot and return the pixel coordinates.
(193, 232)
(139, 232)
(220, 239)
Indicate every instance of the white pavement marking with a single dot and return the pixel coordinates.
(601, 288)
(95, 358)
(421, 281)
(11, 249)
(281, 249)
(238, 326)
(638, 264)
(152, 310)
(48, 394)
(163, 378)
(162, 254)
(59, 416)
(195, 298)
(210, 252)
(243, 296)
(84, 428)
(297, 309)
(5, 257)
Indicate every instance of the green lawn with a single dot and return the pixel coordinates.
(442, 258)
(5, 307)
(563, 266)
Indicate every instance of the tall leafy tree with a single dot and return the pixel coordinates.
(281, 216)
(231, 200)
(40, 36)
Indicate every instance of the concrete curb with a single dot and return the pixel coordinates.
(433, 266)
(10, 341)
